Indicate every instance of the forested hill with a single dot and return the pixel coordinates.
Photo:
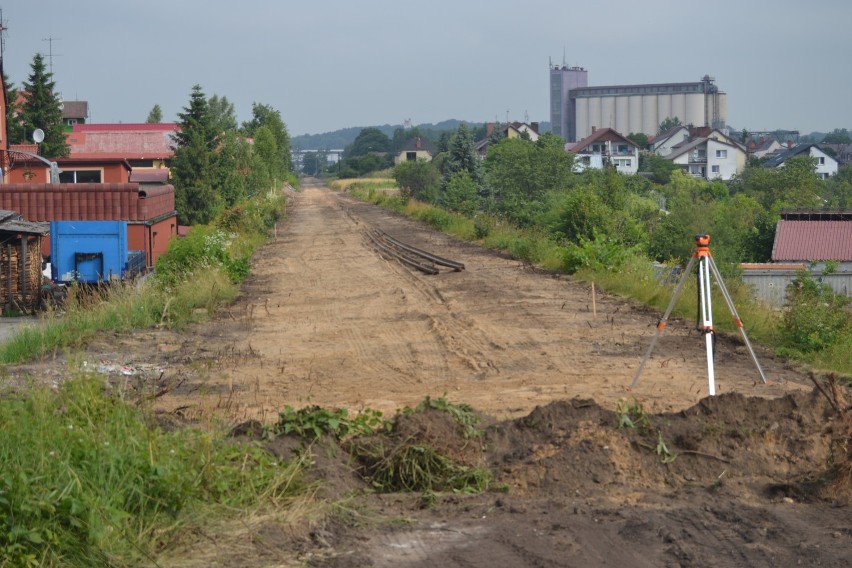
(345, 136)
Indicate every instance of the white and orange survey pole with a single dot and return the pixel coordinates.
(706, 267)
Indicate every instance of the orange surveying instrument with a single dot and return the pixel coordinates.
(706, 266)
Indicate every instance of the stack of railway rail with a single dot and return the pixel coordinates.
(408, 255)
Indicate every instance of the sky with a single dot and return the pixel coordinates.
(331, 64)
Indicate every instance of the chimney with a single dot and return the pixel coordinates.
(489, 128)
(789, 144)
(417, 142)
(534, 126)
(594, 129)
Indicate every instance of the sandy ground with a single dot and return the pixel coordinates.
(325, 320)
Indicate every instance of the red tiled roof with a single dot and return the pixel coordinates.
(812, 240)
(125, 127)
(129, 144)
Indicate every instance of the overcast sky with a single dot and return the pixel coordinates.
(330, 64)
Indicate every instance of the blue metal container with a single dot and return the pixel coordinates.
(90, 251)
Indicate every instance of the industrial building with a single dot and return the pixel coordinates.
(576, 109)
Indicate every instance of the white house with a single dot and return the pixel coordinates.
(709, 158)
(826, 166)
(605, 146)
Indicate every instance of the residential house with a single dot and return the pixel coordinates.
(826, 166)
(77, 168)
(709, 158)
(75, 112)
(142, 145)
(605, 147)
(805, 240)
(665, 142)
(509, 130)
(762, 147)
(414, 149)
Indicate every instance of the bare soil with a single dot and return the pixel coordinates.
(325, 320)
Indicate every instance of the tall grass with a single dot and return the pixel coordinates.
(87, 479)
(362, 184)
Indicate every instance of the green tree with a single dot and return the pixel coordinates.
(369, 141)
(223, 116)
(838, 136)
(794, 185)
(155, 116)
(462, 194)
(639, 138)
(14, 127)
(668, 124)
(419, 179)
(462, 157)
(230, 165)
(192, 165)
(41, 109)
(838, 189)
(660, 168)
(310, 163)
(265, 115)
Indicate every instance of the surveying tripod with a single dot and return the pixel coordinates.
(706, 266)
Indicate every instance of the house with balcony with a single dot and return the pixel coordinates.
(664, 143)
(605, 147)
(709, 158)
(826, 166)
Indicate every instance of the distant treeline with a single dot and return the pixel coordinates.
(346, 136)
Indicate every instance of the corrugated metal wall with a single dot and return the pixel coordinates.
(770, 284)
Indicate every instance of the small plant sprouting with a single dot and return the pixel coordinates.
(632, 415)
(662, 450)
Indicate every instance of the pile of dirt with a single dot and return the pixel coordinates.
(760, 445)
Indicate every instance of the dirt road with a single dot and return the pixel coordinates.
(324, 319)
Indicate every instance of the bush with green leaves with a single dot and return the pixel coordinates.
(315, 422)
(815, 316)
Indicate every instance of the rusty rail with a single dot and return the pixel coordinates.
(408, 255)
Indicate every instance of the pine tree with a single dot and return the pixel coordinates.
(42, 109)
(14, 128)
(155, 116)
(462, 157)
(193, 164)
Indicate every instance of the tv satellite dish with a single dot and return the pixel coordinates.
(38, 136)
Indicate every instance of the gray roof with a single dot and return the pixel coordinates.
(780, 156)
(75, 109)
(12, 222)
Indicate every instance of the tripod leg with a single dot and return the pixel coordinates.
(707, 318)
(737, 321)
(662, 323)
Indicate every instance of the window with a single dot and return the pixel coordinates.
(714, 169)
(80, 176)
(721, 153)
(622, 148)
(820, 161)
(411, 156)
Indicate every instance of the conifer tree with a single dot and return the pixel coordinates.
(155, 116)
(42, 109)
(14, 128)
(193, 163)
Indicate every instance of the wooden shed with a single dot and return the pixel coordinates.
(20, 262)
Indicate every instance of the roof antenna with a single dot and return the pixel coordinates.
(50, 53)
(564, 60)
(3, 30)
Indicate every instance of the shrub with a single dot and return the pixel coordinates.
(815, 317)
